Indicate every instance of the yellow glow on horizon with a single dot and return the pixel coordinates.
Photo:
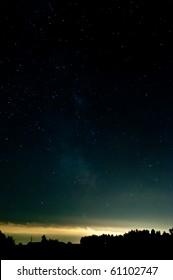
(63, 233)
(36, 229)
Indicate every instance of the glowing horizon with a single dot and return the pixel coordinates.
(64, 233)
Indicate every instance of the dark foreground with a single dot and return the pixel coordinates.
(133, 245)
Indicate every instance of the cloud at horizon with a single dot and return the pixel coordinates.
(24, 232)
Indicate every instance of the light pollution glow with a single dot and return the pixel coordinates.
(23, 232)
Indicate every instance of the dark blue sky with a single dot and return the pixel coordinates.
(86, 113)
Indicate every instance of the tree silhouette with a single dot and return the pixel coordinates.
(44, 239)
(2, 238)
(135, 244)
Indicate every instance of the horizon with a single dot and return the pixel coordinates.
(25, 233)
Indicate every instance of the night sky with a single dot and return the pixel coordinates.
(86, 116)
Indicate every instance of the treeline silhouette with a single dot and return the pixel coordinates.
(136, 244)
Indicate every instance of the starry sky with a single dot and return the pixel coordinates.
(86, 116)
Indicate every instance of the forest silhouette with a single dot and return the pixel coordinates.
(135, 244)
